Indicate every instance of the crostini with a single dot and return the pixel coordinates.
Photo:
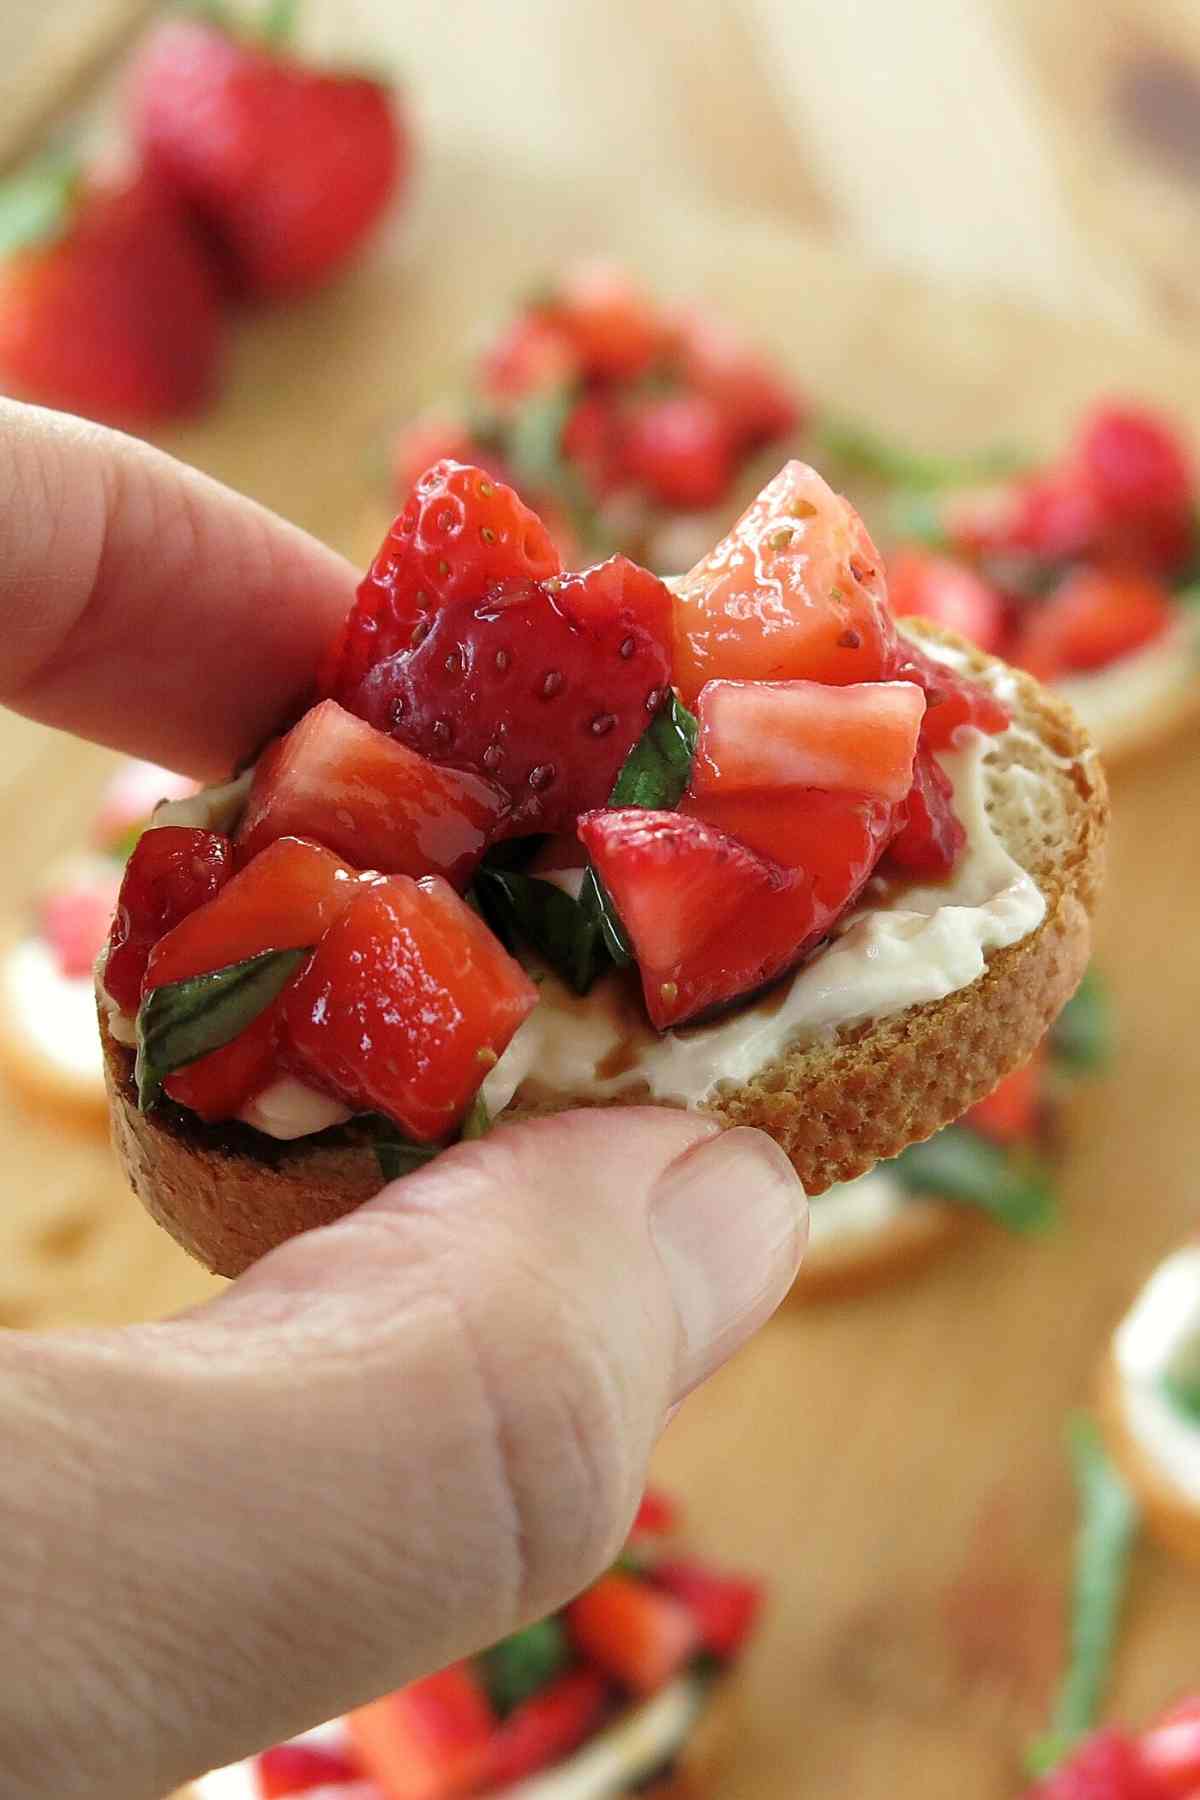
(551, 839)
(627, 1690)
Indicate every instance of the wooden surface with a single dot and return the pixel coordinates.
(894, 1465)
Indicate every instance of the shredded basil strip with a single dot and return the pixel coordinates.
(659, 767)
(521, 1665)
(185, 1020)
(566, 933)
(868, 453)
(960, 1165)
(1081, 1036)
(1107, 1526)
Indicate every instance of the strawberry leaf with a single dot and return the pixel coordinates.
(35, 206)
(564, 932)
(960, 1165)
(1107, 1527)
(185, 1020)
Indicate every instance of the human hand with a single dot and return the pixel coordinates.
(394, 1440)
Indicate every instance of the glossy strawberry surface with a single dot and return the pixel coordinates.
(172, 872)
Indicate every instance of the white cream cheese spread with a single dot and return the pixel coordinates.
(612, 1763)
(1159, 1338)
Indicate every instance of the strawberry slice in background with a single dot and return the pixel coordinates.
(751, 397)
(1094, 617)
(405, 1005)
(1010, 1113)
(370, 799)
(794, 592)
(290, 167)
(109, 302)
(635, 1634)
(427, 1741)
(940, 588)
(679, 449)
(1170, 1749)
(461, 535)
(542, 688)
(75, 919)
(1107, 1766)
(613, 327)
(772, 735)
(726, 1607)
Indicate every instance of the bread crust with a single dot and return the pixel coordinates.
(837, 1107)
(1171, 1515)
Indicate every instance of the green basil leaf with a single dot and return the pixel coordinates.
(601, 915)
(958, 1164)
(478, 1121)
(521, 1665)
(659, 767)
(185, 1020)
(1081, 1036)
(869, 454)
(35, 206)
(565, 932)
(1107, 1526)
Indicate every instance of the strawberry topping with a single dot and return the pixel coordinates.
(1107, 1766)
(428, 1741)
(781, 734)
(547, 1727)
(1095, 617)
(948, 592)
(929, 833)
(726, 1607)
(542, 688)
(638, 1636)
(171, 873)
(299, 1768)
(951, 700)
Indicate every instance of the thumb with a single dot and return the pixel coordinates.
(390, 1443)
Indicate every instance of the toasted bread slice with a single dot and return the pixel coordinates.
(837, 1106)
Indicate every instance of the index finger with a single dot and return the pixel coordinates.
(146, 606)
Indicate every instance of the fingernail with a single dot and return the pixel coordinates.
(729, 1221)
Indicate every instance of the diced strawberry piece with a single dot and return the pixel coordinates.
(708, 920)
(1140, 473)
(428, 1741)
(75, 919)
(614, 328)
(930, 834)
(949, 593)
(218, 1085)
(951, 700)
(172, 872)
(1108, 1766)
(591, 440)
(430, 438)
(756, 403)
(638, 1636)
(531, 354)
(835, 839)
(371, 799)
(767, 735)
(406, 1004)
(546, 1727)
(726, 1607)
(461, 535)
(1096, 617)
(284, 899)
(794, 592)
(657, 1515)
(678, 447)
(298, 1768)
(1170, 1749)
(543, 689)
(130, 798)
(1009, 1114)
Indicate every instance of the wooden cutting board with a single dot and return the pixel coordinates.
(893, 1465)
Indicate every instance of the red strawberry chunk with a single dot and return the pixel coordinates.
(930, 833)
(1096, 617)
(635, 1634)
(285, 899)
(767, 735)
(1108, 1766)
(657, 1515)
(75, 920)
(218, 1085)
(461, 535)
(755, 402)
(1009, 1114)
(951, 700)
(546, 1727)
(1140, 473)
(172, 872)
(531, 355)
(298, 1768)
(834, 839)
(1170, 1750)
(794, 592)
(948, 592)
(406, 1004)
(614, 329)
(372, 800)
(428, 1741)
(678, 447)
(543, 689)
(708, 920)
(726, 1607)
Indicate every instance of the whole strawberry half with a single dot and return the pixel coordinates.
(109, 304)
(289, 166)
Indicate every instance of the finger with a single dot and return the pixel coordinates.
(145, 606)
(392, 1442)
